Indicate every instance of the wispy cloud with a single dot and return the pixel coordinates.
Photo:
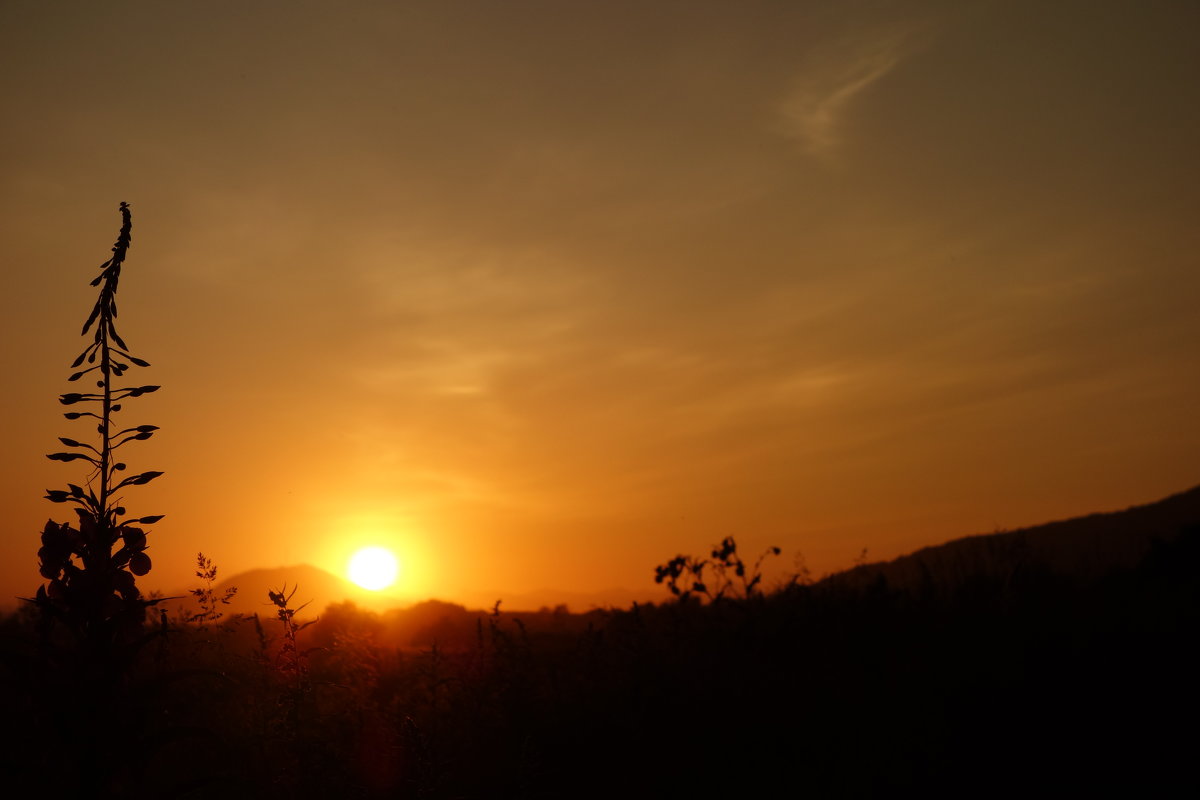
(834, 75)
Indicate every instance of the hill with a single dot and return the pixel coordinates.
(314, 586)
(1080, 549)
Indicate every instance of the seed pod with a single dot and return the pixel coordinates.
(135, 538)
(139, 564)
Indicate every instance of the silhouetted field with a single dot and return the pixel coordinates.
(1036, 682)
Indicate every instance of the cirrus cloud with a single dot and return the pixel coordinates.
(834, 76)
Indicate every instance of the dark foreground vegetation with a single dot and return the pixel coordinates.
(1031, 684)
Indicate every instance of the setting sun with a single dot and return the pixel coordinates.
(373, 568)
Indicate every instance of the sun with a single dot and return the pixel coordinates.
(373, 568)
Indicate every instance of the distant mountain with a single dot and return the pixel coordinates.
(320, 589)
(313, 586)
(1083, 549)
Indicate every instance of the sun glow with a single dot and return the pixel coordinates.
(373, 568)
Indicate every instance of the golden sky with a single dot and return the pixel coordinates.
(542, 293)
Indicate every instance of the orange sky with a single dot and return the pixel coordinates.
(542, 293)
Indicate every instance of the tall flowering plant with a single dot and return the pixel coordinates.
(90, 569)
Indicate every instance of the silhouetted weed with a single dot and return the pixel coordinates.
(91, 570)
(207, 597)
(292, 660)
(684, 576)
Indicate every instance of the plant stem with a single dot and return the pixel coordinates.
(105, 428)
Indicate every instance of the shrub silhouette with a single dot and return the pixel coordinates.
(91, 570)
(684, 575)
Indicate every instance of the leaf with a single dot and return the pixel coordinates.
(103, 271)
(57, 496)
(112, 331)
(70, 398)
(69, 442)
(75, 376)
(146, 428)
(141, 390)
(72, 415)
(69, 457)
(79, 360)
(76, 491)
(138, 480)
(91, 318)
(150, 520)
(139, 361)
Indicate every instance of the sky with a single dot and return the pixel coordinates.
(540, 294)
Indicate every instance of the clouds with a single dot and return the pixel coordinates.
(834, 75)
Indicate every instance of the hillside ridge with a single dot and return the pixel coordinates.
(1083, 548)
